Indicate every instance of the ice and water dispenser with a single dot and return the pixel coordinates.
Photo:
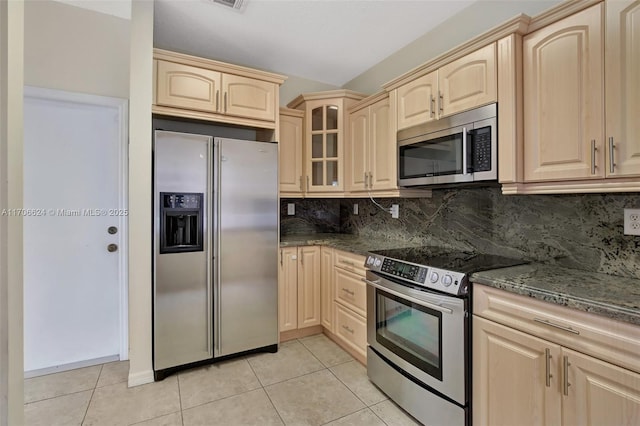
(181, 222)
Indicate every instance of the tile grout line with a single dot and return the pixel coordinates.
(180, 399)
(93, 391)
(265, 391)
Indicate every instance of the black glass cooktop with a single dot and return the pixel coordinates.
(457, 261)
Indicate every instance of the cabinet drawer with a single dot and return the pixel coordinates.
(352, 329)
(601, 337)
(350, 262)
(351, 291)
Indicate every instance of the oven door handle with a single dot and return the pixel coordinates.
(409, 298)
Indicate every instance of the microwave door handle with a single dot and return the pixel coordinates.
(464, 150)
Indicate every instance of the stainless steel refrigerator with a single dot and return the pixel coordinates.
(216, 214)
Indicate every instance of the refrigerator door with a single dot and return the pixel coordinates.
(246, 245)
(182, 307)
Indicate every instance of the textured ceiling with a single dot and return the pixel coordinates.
(330, 41)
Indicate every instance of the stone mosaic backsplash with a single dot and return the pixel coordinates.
(582, 231)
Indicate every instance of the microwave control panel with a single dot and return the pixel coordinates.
(482, 149)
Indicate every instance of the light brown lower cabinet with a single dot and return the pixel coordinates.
(350, 303)
(299, 292)
(519, 378)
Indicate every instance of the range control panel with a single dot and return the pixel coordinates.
(434, 278)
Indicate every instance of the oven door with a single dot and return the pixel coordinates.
(421, 332)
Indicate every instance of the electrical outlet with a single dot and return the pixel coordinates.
(632, 221)
(291, 209)
(395, 211)
(355, 208)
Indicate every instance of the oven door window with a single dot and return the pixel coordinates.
(435, 157)
(411, 331)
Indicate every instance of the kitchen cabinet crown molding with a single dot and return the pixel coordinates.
(558, 12)
(292, 112)
(518, 25)
(341, 93)
(211, 64)
(369, 100)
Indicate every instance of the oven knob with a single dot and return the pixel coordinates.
(447, 280)
(378, 262)
(434, 277)
(370, 260)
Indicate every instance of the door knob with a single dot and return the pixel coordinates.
(112, 247)
(112, 230)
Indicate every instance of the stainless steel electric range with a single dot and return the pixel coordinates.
(418, 328)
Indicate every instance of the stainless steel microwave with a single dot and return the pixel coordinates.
(455, 149)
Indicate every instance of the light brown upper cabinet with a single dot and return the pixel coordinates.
(417, 101)
(622, 88)
(325, 126)
(247, 97)
(193, 87)
(468, 82)
(563, 99)
(371, 157)
(581, 102)
(457, 86)
(183, 86)
(290, 149)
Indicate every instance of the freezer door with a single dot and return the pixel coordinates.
(182, 291)
(246, 245)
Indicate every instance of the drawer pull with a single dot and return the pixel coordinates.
(347, 262)
(558, 326)
(349, 292)
(350, 330)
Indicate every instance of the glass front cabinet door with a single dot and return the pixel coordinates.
(325, 122)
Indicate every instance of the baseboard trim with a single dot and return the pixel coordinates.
(300, 333)
(141, 378)
(71, 366)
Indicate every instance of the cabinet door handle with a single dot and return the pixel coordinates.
(593, 156)
(370, 180)
(565, 383)
(225, 101)
(612, 162)
(350, 330)
(561, 327)
(349, 292)
(281, 258)
(217, 100)
(307, 183)
(301, 257)
(301, 189)
(547, 355)
(441, 102)
(365, 181)
(432, 101)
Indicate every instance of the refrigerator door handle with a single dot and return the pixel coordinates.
(218, 245)
(210, 260)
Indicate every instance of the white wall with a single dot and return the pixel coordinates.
(470, 22)
(11, 83)
(293, 86)
(75, 49)
(140, 213)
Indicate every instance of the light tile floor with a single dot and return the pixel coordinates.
(309, 381)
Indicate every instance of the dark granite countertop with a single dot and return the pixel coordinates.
(607, 295)
(346, 242)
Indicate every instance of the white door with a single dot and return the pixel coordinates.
(74, 180)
